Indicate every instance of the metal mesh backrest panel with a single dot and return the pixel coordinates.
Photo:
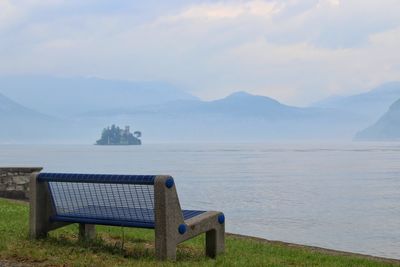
(118, 202)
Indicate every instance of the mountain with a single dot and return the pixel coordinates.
(67, 97)
(386, 128)
(240, 116)
(10, 110)
(243, 104)
(21, 123)
(371, 105)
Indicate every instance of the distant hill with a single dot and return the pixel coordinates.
(243, 104)
(239, 104)
(386, 128)
(67, 97)
(371, 105)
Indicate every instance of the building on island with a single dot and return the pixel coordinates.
(115, 135)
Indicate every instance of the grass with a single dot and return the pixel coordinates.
(135, 247)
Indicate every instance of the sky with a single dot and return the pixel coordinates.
(297, 51)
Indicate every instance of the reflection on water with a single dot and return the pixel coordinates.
(340, 196)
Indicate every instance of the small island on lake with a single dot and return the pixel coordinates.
(115, 135)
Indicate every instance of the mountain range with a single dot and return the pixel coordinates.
(240, 116)
(78, 108)
(67, 97)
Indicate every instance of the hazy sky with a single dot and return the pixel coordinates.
(297, 51)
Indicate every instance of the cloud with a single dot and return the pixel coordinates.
(229, 10)
(317, 71)
(334, 24)
(295, 50)
(8, 14)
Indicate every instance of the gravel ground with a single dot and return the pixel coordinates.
(4, 263)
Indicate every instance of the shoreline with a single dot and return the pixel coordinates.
(314, 248)
(280, 243)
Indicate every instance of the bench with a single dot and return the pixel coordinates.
(143, 201)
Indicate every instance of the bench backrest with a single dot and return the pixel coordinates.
(126, 200)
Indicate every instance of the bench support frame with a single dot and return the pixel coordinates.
(41, 209)
(168, 219)
(87, 231)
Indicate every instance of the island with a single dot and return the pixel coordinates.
(115, 135)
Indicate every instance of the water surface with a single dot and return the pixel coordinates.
(339, 196)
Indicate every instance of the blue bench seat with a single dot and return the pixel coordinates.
(127, 216)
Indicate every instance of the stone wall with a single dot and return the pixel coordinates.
(14, 181)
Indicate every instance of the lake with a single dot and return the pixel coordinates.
(343, 196)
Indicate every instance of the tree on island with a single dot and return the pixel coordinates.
(114, 135)
(137, 134)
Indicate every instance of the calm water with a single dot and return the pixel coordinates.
(340, 196)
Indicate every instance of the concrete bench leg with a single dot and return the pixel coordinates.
(215, 242)
(40, 208)
(87, 231)
(165, 250)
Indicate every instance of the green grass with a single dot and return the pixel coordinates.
(135, 247)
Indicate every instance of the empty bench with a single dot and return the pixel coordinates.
(59, 199)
